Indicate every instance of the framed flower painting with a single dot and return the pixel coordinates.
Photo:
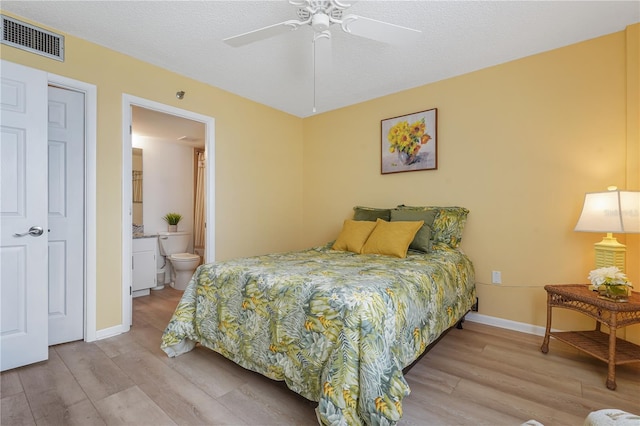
(409, 142)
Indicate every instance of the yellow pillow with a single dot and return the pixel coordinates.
(353, 235)
(391, 238)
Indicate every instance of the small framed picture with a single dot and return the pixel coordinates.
(409, 142)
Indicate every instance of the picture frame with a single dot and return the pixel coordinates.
(409, 142)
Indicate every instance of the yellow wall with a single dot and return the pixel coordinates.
(633, 154)
(258, 159)
(519, 144)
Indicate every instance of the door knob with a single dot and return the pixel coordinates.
(35, 231)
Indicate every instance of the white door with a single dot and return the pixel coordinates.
(23, 216)
(66, 215)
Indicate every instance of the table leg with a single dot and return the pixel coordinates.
(611, 375)
(545, 343)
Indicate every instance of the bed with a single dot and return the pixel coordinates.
(337, 326)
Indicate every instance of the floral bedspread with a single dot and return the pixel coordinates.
(337, 327)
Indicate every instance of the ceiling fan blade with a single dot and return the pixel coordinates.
(322, 57)
(262, 33)
(378, 30)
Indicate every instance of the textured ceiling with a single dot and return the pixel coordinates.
(457, 37)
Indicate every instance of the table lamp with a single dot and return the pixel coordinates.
(612, 211)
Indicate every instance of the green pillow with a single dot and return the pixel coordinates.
(422, 240)
(448, 225)
(371, 213)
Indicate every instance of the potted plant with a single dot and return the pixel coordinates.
(172, 220)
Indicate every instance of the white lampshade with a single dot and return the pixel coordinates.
(610, 211)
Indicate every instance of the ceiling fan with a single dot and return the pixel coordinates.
(320, 15)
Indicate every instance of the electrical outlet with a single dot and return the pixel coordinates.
(496, 277)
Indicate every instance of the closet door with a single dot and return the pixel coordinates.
(23, 216)
(66, 215)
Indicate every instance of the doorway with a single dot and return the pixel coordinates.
(90, 198)
(139, 104)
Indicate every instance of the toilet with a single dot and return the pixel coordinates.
(173, 245)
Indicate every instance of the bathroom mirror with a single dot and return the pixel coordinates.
(136, 163)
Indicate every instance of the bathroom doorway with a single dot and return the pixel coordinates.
(163, 177)
(169, 166)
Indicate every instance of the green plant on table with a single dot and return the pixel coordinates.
(172, 218)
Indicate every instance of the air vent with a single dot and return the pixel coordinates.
(32, 39)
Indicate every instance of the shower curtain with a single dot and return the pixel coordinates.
(199, 221)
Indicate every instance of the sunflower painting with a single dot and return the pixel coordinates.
(409, 142)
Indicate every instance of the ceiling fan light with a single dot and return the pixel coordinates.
(320, 22)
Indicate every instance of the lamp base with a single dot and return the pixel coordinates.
(609, 252)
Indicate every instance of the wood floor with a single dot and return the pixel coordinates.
(477, 376)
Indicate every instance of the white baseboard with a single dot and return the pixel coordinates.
(111, 331)
(503, 323)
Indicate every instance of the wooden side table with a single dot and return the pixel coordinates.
(605, 347)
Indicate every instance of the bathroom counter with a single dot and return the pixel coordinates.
(137, 235)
